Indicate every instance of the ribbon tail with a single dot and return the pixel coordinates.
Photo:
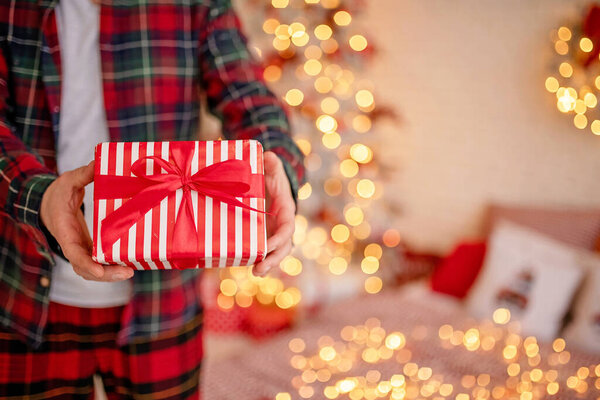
(186, 243)
(117, 223)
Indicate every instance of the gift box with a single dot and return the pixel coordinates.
(175, 205)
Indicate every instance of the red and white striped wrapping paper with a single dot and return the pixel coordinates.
(228, 235)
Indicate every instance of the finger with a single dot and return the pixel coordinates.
(86, 233)
(83, 175)
(271, 160)
(272, 260)
(79, 257)
(282, 235)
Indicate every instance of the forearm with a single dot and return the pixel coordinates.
(238, 95)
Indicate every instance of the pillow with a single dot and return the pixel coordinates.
(576, 227)
(584, 329)
(533, 276)
(457, 272)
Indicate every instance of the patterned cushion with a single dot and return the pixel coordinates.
(576, 227)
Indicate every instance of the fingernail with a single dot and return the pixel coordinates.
(119, 277)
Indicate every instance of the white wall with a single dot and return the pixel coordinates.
(479, 127)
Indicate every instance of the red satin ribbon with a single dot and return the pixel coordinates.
(223, 181)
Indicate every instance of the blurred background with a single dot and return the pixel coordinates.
(446, 241)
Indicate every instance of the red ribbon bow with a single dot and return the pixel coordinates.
(223, 181)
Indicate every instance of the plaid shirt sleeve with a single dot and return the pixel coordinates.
(23, 176)
(237, 94)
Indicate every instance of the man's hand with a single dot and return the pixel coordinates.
(61, 214)
(280, 225)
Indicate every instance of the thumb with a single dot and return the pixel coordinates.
(83, 175)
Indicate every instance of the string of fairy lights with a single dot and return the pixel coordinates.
(311, 51)
(529, 373)
(576, 83)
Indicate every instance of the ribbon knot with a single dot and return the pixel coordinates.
(224, 181)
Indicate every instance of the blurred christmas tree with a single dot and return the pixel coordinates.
(314, 52)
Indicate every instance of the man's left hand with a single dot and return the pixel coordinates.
(282, 209)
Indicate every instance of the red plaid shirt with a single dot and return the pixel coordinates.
(156, 55)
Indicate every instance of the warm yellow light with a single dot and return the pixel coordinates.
(565, 69)
(313, 52)
(340, 233)
(281, 44)
(297, 345)
(327, 353)
(270, 25)
(312, 67)
(291, 266)
(331, 392)
(342, 18)
(373, 250)
(559, 345)
(284, 300)
(333, 186)
(513, 369)
(373, 284)
(280, 3)
(580, 121)
(305, 191)
(349, 168)
(509, 352)
(272, 73)
(228, 287)
(311, 1)
(282, 32)
(369, 265)
(304, 146)
(243, 300)
(323, 32)
(329, 46)
(358, 42)
(552, 388)
(301, 39)
(586, 45)
(225, 302)
(361, 123)
(564, 33)
(354, 215)
(283, 396)
(501, 316)
(317, 235)
(561, 47)
(331, 140)
(361, 153)
(326, 123)
(446, 389)
(595, 126)
(294, 97)
(330, 3)
(338, 265)
(365, 188)
(330, 105)
(364, 98)
(590, 100)
(580, 106)
(323, 84)
(597, 82)
(552, 84)
(391, 238)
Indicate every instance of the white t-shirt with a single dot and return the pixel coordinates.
(82, 125)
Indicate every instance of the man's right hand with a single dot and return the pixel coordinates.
(61, 214)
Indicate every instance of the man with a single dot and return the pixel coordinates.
(74, 73)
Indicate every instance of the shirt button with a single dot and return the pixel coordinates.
(56, 109)
(44, 281)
